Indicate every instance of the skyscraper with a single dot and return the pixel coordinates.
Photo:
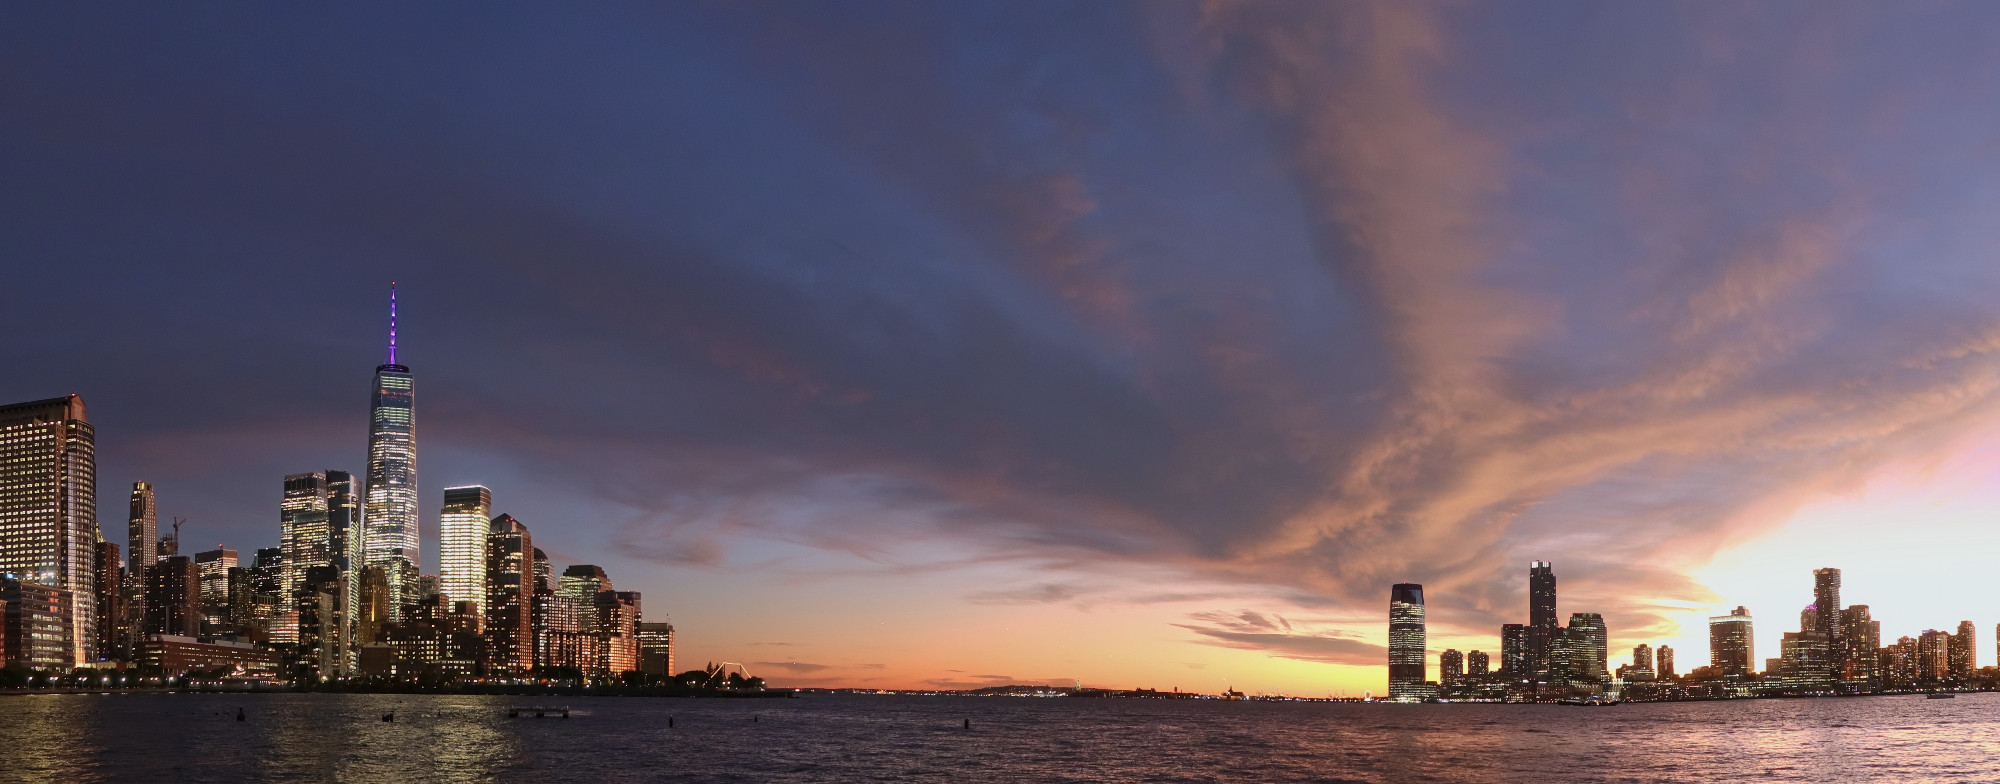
(510, 588)
(343, 535)
(462, 526)
(1826, 598)
(110, 602)
(656, 649)
(1476, 665)
(390, 514)
(1863, 636)
(1665, 657)
(1406, 642)
(1964, 654)
(302, 521)
(173, 597)
(1642, 663)
(48, 509)
(142, 532)
(1541, 615)
(1451, 667)
(1514, 660)
(1731, 648)
(1590, 651)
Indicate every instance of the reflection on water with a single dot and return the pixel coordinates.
(334, 737)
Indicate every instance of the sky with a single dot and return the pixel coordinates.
(1124, 344)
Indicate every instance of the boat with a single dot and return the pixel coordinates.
(1939, 696)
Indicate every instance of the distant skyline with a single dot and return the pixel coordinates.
(1142, 344)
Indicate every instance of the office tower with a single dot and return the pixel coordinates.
(510, 588)
(1963, 658)
(1406, 642)
(240, 614)
(583, 582)
(371, 621)
(322, 651)
(1826, 597)
(344, 533)
(48, 508)
(545, 573)
(142, 533)
(173, 597)
(1665, 657)
(214, 566)
(1591, 658)
(1803, 659)
(36, 625)
(617, 632)
(656, 649)
(1541, 614)
(462, 525)
(302, 520)
(1514, 659)
(1862, 635)
(1731, 649)
(1476, 665)
(429, 585)
(1451, 667)
(109, 593)
(391, 511)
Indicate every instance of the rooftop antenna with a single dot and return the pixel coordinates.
(392, 322)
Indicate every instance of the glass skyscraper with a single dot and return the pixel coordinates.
(142, 531)
(390, 514)
(462, 526)
(1406, 642)
(1731, 648)
(48, 510)
(1542, 623)
(510, 588)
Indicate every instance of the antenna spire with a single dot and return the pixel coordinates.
(392, 322)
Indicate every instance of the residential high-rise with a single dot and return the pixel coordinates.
(1863, 637)
(110, 598)
(1514, 660)
(510, 588)
(1542, 620)
(1665, 657)
(1826, 597)
(390, 516)
(1964, 655)
(324, 639)
(1451, 667)
(462, 526)
(142, 532)
(1933, 655)
(1732, 650)
(214, 566)
(34, 625)
(48, 509)
(1476, 665)
(1406, 642)
(1642, 663)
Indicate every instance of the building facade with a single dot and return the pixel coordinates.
(390, 514)
(48, 509)
(1732, 648)
(1406, 642)
(462, 527)
(1542, 621)
(510, 588)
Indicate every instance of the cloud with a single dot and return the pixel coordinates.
(1273, 634)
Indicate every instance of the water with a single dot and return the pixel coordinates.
(328, 737)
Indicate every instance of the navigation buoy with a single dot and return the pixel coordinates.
(753, 718)
(239, 715)
(968, 724)
(670, 722)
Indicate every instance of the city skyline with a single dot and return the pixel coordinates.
(1125, 343)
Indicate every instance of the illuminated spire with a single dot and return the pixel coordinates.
(392, 322)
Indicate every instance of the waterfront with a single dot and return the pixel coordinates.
(341, 737)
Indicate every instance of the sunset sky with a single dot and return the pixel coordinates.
(1135, 344)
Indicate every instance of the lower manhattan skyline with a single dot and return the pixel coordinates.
(1117, 345)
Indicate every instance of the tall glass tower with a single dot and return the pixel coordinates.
(389, 516)
(462, 525)
(1541, 615)
(1406, 642)
(48, 513)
